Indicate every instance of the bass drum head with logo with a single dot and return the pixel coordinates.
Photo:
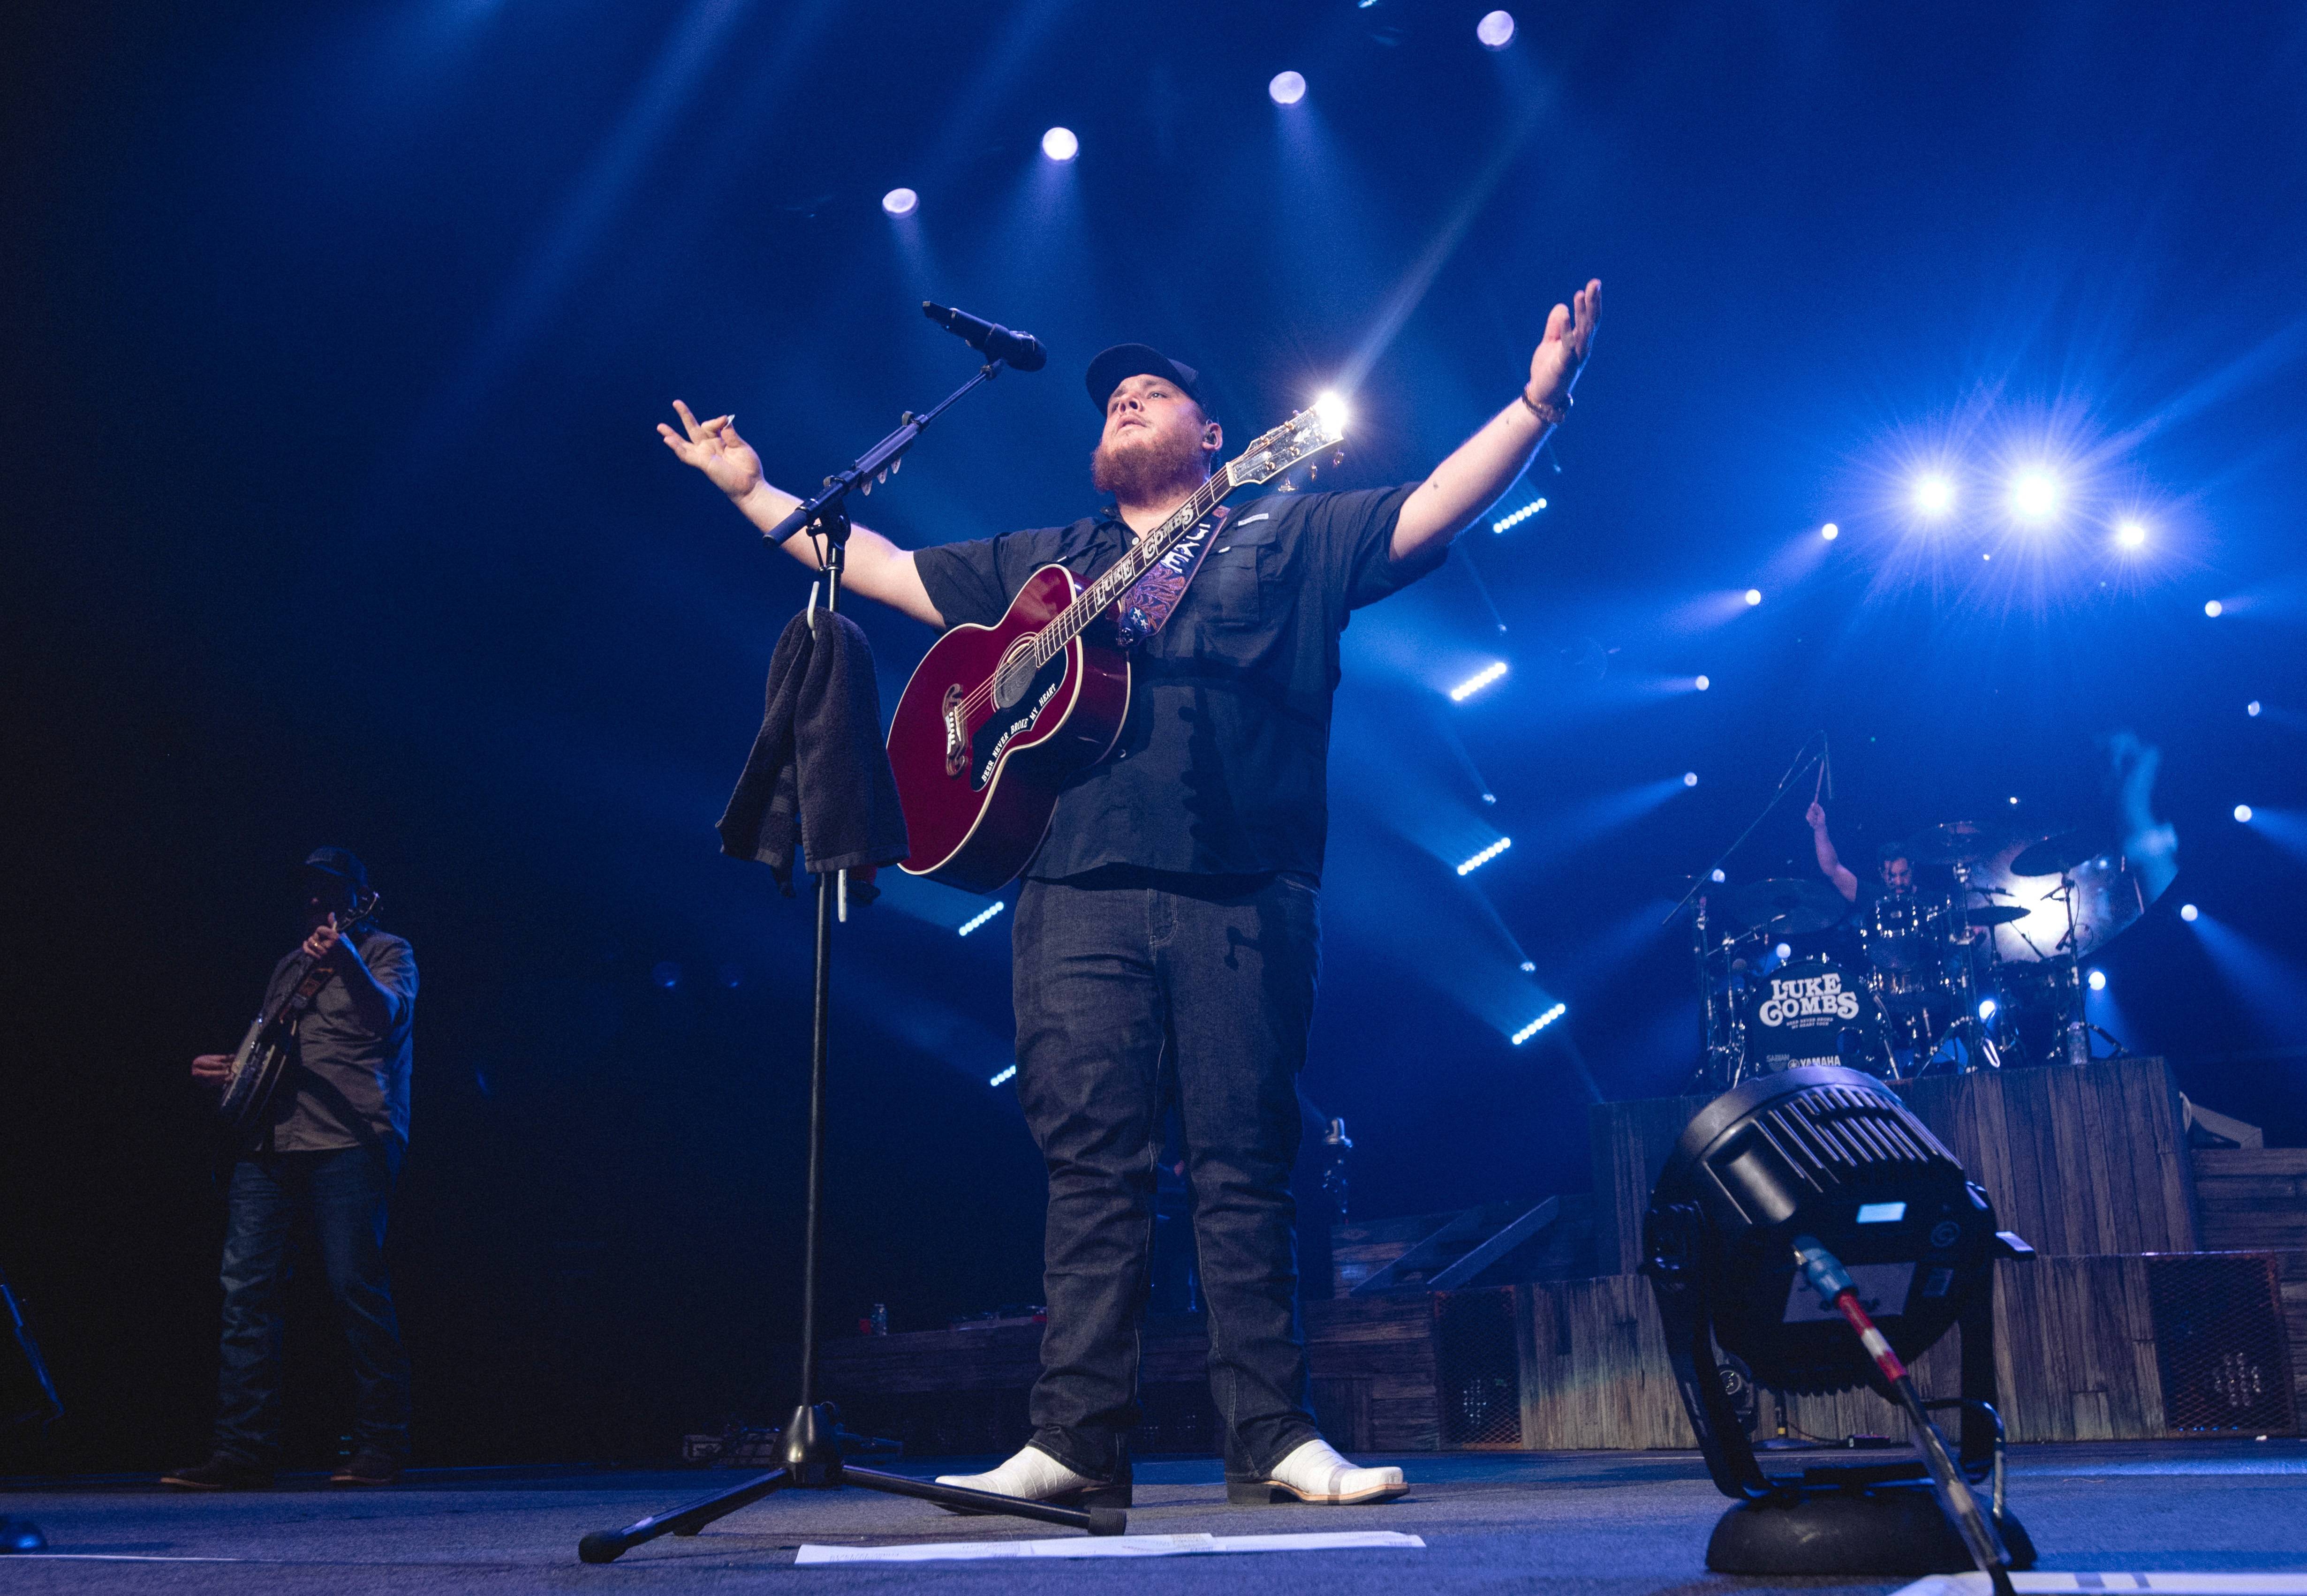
(1798, 1014)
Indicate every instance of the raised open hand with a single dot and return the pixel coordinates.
(714, 447)
(1562, 353)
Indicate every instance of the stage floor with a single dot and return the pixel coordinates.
(1614, 1523)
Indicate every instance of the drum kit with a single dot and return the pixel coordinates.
(1986, 974)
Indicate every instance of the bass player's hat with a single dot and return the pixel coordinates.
(1110, 370)
(342, 864)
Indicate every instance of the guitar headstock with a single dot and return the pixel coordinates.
(1321, 426)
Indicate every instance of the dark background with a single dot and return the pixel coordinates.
(336, 336)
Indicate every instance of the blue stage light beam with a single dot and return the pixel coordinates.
(2285, 828)
(1561, 835)
(2271, 988)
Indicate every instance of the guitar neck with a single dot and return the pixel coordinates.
(1134, 562)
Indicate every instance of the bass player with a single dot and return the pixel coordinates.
(336, 1128)
(1167, 936)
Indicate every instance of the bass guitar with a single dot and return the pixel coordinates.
(996, 720)
(265, 1052)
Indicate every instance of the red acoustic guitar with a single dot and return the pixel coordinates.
(996, 719)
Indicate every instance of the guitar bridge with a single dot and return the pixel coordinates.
(957, 743)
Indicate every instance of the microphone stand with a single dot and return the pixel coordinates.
(809, 1450)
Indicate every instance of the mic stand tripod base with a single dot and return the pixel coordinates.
(811, 1453)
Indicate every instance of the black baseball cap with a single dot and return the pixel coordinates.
(1123, 360)
(341, 863)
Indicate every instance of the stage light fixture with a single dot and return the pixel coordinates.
(1288, 87)
(1690, 778)
(1060, 144)
(1810, 1226)
(2187, 912)
(1518, 516)
(1718, 877)
(1528, 968)
(981, 916)
(1489, 797)
(1702, 683)
(1829, 531)
(1475, 683)
(2252, 708)
(1541, 1023)
(1933, 494)
(2213, 608)
(2096, 980)
(666, 974)
(1009, 1074)
(2242, 813)
(900, 202)
(1987, 1008)
(2130, 535)
(2035, 495)
(1496, 30)
(1785, 951)
(1485, 856)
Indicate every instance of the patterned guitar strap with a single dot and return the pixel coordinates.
(1154, 597)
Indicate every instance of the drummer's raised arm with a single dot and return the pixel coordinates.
(1829, 865)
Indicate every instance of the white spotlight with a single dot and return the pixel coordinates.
(1060, 144)
(2035, 495)
(1702, 683)
(1475, 683)
(1785, 951)
(2251, 709)
(2213, 608)
(1987, 1008)
(1518, 516)
(981, 917)
(1933, 494)
(2130, 535)
(1009, 1074)
(2187, 912)
(1690, 778)
(2097, 979)
(1485, 856)
(1718, 877)
(900, 202)
(1496, 30)
(2242, 813)
(1332, 409)
(1829, 531)
(1288, 87)
(1753, 595)
(1528, 968)
(1541, 1023)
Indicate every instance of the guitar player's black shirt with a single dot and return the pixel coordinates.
(1222, 766)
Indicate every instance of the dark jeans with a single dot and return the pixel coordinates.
(1125, 993)
(344, 1195)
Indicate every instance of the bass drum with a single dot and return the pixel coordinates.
(1811, 1011)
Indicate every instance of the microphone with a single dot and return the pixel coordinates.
(1022, 350)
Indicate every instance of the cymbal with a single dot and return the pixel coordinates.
(1996, 914)
(1956, 842)
(2055, 855)
(2107, 898)
(1789, 904)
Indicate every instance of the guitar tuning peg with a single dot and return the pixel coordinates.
(869, 487)
(1313, 471)
(1339, 458)
(882, 478)
(898, 463)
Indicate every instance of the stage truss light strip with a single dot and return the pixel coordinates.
(1518, 516)
(1541, 1023)
(1475, 683)
(1009, 1074)
(982, 917)
(1485, 856)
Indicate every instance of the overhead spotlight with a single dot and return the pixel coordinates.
(1987, 1008)
(1009, 1074)
(2096, 980)
(1785, 951)
(1528, 968)
(1541, 1023)
(981, 916)
(1475, 683)
(1496, 30)
(1060, 144)
(900, 202)
(2251, 709)
(2187, 912)
(2014, 798)
(2035, 495)
(1690, 778)
(1332, 409)
(1718, 877)
(1702, 683)
(2213, 608)
(1489, 797)
(666, 974)
(2242, 813)
(1288, 87)
(2130, 535)
(1518, 516)
(1829, 531)
(1753, 595)
(1485, 856)
(1933, 494)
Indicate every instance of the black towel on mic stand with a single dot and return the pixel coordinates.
(818, 774)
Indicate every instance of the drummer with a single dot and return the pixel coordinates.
(1896, 869)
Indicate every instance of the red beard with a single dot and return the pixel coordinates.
(1142, 469)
